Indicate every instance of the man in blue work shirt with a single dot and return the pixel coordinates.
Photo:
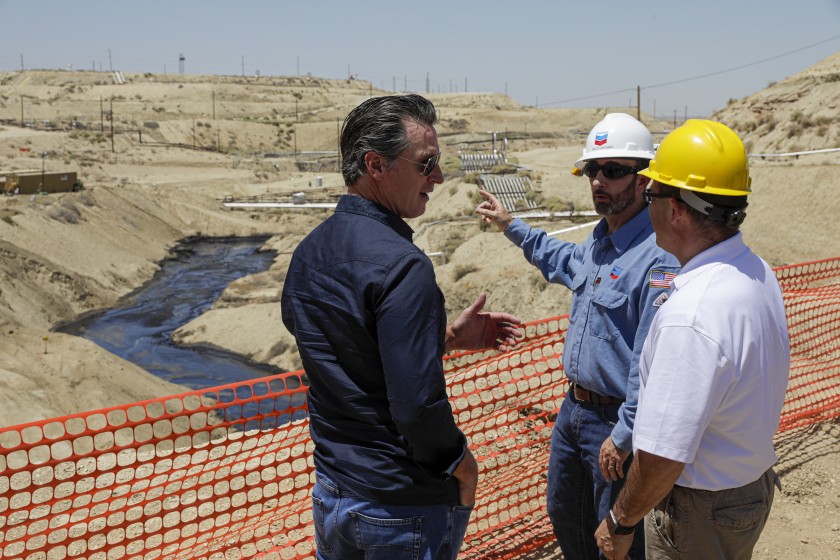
(394, 476)
(619, 278)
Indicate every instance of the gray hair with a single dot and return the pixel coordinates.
(378, 125)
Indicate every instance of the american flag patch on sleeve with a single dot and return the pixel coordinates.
(661, 279)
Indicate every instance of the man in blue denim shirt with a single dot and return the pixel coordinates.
(394, 476)
(619, 278)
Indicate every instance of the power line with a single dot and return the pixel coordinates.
(741, 66)
(588, 96)
(683, 80)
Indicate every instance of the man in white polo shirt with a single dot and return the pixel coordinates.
(713, 369)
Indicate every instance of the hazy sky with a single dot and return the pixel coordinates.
(555, 53)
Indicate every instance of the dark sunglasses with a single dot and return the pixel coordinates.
(428, 165)
(649, 195)
(610, 169)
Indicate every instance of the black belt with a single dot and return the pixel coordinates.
(591, 397)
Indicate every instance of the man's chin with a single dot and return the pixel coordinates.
(603, 208)
(415, 214)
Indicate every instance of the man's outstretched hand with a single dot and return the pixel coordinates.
(493, 212)
(475, 329)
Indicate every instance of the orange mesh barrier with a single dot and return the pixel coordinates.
(226, 473)
(812, 304)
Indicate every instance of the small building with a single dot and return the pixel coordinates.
(29, 182)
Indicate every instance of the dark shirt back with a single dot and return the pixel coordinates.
(363, 304)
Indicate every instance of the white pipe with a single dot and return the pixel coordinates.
(573, 228)
(787, 154)
(279, 205)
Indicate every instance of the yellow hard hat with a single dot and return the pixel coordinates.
(702, 156)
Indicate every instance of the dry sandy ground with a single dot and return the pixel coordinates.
(68, 254)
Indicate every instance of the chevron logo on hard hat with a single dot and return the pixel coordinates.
(601, 138)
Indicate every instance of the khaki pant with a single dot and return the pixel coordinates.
(702, 524)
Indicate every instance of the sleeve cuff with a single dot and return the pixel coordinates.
(516, 231)
(622, 437)
(447, 474)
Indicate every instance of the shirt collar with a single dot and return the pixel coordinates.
(354, 204)
(624, 236)
(719, 253)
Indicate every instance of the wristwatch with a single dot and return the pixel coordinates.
(616, 528)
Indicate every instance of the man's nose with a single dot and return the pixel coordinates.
(436, 176)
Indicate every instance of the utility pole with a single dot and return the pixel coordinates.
(101, 116)
(21, 110)
(110, 66)
(214, 105)
(113, 150)
(638, 103)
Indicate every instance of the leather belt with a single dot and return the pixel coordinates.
(591, 397)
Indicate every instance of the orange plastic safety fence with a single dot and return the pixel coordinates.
(812, 303)
(218, 473)
(226, 473)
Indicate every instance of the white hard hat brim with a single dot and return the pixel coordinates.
(613, 153)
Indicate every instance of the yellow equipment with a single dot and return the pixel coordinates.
(11, 183)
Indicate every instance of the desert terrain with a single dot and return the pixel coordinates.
(159, 154)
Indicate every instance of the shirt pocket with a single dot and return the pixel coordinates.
(605, 313)
(577, 286)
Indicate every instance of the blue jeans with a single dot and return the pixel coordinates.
(578, 497)
(349, 527)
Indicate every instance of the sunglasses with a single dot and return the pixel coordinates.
(611, 170)
(428, 165)
(649, 195)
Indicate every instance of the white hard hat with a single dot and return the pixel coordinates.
(617, 136)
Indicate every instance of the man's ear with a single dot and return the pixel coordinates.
(374, 164)
(678, 210)
(642, 183)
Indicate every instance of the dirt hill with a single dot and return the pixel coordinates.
(798, 113)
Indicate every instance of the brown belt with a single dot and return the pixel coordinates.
(591, 397)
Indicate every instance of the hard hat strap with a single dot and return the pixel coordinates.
(731, 217)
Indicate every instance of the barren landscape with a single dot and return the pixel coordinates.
(159, 154)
